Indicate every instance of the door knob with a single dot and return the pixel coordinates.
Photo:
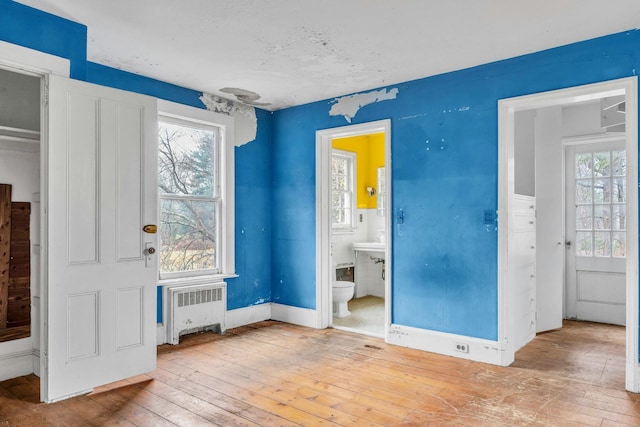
(151, 250)
(568, 243)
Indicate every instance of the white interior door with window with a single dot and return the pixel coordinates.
(101, 176)
(596, 231)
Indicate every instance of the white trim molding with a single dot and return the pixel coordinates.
(16, 358)
(295, 315)
(247, 315)
(32, 61)
(476, 349)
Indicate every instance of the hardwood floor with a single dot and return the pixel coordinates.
(275, 374)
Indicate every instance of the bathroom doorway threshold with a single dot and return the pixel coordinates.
(367, 317)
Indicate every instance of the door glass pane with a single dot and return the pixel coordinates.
(618, 220)
(583, 165)
(619, 163)
(619, 190)
(619, 244)
(601, 165)
(583, 243)
(602, 217)
(583, 191)
(602, 244)
(600, 203)
(601, 191)
(584, 218)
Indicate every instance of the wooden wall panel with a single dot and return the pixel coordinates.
(15, 267)
(5, 242)
(19, 312)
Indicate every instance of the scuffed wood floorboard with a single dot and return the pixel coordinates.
(276, 374)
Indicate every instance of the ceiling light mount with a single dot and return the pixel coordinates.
(244, 96)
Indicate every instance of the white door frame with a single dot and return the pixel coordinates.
(506, 111)
(18, 58)
(323, 216)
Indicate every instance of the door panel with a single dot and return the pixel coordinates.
(596, 235)
(101, 171)
(549, 219)
(522, 267)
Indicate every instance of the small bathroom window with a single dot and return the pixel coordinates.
(342, 189)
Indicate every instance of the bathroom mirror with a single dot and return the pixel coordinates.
(381, 192)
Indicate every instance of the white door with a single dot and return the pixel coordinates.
(596, 232)
(100, 164)
(549, 219)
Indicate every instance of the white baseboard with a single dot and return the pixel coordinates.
(247, 315)
(16, 358)
(161, 334)
(632, 377)
(35, 360)
(295, 315)
(479, 350)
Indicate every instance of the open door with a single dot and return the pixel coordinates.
(101, 271)
(549, 219)
(596, 231)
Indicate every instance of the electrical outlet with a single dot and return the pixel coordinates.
(462, 347)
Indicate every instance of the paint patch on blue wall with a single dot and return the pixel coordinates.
(348, 106)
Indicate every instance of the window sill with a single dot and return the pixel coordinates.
(196, 280)
(343, 231)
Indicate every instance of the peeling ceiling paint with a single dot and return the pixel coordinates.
(292, 52)
(245, 119)
(348, 106)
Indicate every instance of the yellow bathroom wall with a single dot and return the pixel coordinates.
(369, 151)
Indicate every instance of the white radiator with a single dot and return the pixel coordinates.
(193, 308)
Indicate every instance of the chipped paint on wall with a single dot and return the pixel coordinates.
(246, 122)
(348, 106)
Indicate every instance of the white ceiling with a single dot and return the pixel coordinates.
(292, 52)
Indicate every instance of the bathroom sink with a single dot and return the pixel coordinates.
(369, 246)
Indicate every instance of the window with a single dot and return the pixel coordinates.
(601, 204)
(195, 195)
(342, 189)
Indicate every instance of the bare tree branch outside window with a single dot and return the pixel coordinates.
(188, 200)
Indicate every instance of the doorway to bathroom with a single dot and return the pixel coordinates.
(353, 235)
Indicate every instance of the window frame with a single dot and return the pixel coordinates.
(351, 156)
(180, 114)
(610, 178)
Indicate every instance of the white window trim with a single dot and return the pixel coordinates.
(185, 113)
(350, 228)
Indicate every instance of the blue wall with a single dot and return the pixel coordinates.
(25, 26)
(253, 220)
(445, 170)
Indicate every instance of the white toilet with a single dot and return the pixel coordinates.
(342, 293)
